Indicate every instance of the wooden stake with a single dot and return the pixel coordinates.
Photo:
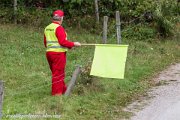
(97, 11)
(73, 81)
(15, 11)
(1, 98)
(105, 29)
(118, 27)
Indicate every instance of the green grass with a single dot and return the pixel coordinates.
(27, 78)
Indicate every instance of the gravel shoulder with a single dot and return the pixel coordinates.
(163, 102)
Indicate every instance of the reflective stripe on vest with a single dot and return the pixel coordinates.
(54, 45)
(51, 39)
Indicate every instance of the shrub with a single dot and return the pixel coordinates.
(81, 13)
(163, 24)
(139, 32)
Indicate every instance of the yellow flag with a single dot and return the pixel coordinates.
(109, 61)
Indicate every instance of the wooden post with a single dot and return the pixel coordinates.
(73, 81)
(105, 29)
(1, 98)
(15, 11)
(118, 27)
(97, 11)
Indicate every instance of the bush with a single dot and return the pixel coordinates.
(34, 17)
(163, 19)
(81, 14)
(139, 32)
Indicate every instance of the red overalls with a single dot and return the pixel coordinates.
(57, 61)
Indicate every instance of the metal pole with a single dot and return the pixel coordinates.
(118, 28)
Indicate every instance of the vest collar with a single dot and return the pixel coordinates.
(55, 22)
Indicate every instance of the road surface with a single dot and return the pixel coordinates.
(163, 102)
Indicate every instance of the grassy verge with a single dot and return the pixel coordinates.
(27, 77)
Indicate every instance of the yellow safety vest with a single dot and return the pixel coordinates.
(51, 39)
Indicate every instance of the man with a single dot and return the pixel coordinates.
(55, 40)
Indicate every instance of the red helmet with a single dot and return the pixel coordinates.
(59, 13)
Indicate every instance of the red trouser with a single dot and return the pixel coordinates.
(57, 63)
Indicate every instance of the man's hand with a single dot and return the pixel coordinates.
(77, 44)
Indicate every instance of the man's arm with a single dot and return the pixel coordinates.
(62, 38)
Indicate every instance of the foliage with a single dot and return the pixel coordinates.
(164, 17)
(161, 15)
(35, 17)
(164, 26)
(139, 32)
